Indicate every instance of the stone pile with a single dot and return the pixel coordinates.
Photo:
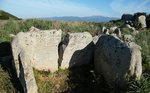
(42, 50)
(45, 50)
(138, 20)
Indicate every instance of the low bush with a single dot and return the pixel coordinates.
(140, 86)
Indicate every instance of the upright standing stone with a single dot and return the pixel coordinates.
(142, 21)
(37, 49)
(79, 50)
(116, 60)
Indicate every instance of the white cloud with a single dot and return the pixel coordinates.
(130, 6)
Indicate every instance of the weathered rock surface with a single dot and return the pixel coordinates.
(116, 60)
(38, 49)
(128, 38)
(138, 20)
(38, 46)
(117, 32)
(95, 39)
(26, 75)
(131, 28)
(105, 30)
(112, 29)
(32, 29)
(61, 48)
(129, 23)
(79, 50)
(142, 21)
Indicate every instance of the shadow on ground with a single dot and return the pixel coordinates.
(84, 80)
(6, 64)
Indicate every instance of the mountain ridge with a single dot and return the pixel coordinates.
(85, 18)
(95, 18)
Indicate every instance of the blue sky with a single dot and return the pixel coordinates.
(50, 8)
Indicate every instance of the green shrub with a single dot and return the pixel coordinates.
(126, 30)
(11, 26)
(141, 86)
(143, 39)
(40, 24)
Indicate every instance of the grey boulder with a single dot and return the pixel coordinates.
(117, 61)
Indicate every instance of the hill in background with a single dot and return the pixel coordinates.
(5, 15)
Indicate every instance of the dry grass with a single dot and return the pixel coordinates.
(52, 83)
(6, 85)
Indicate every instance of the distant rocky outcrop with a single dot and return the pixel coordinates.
(116, 60)
(138, 20)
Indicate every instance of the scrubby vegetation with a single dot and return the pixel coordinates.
(6, 85)
(143, 39)
(52, 83)
(13, 27)
(141, 86)
(69, 81)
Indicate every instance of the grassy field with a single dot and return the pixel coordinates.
(76, 80)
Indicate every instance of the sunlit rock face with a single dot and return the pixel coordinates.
(35, 49)
(79, 50)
